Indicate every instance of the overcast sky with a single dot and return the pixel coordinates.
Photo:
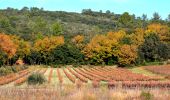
(137, 7)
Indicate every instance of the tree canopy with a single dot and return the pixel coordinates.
(92, 37)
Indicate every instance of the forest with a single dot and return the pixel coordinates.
(38, 36)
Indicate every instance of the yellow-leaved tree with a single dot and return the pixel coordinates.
(48, 43)
(127, 54)
(103, 48)
(137, 38)
(161, 30)
(78, 41)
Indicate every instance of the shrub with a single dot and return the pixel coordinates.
(36, 78)
(5, 71)
(56, 66)
(11, 69)
(146, 95)
(17, 68)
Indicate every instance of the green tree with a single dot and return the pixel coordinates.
(56, 29)
(87, 11)
(153, 49)
(67, 54)
(108, 12)
(125, 19)
(156, 17)
(5, 25)
(144, 17)
(144, 20)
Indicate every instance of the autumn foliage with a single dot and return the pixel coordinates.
(161, 30)
(115, 47)
(7, 45)
(78, 39)
(102, 47)
(105, 47)
(127, 55)
(48, 43)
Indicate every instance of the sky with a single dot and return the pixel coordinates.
(137, 7)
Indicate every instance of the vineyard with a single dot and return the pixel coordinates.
(93, 76)
(165, 70)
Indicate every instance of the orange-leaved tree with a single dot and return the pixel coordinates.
(7, 46)
(23, 47)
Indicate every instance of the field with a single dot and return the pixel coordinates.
(94, 76)
(86, 93)
(69, 81)
(164, 70)
(84, 50)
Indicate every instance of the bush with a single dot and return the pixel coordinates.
(36, 78)
(17, 68)
(56, 66)
(5, 71)
(11, 69)
(146, 96)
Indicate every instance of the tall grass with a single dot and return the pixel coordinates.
(71, 92)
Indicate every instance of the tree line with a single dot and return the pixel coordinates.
(55, 37)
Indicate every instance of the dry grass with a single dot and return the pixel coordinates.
(70, 92)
